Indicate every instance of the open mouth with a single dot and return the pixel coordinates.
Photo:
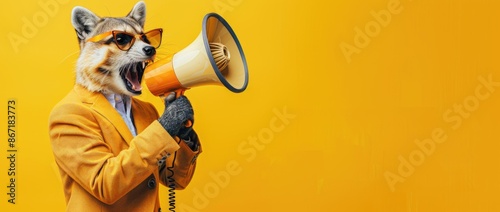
(132, 76)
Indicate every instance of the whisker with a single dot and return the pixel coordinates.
(65, 58)
(107, 8)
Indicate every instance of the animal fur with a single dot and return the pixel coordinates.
(102, 66)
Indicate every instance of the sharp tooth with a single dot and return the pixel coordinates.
(143, 64)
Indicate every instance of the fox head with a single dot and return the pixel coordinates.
(104, 65)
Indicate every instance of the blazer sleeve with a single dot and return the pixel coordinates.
(81, 152)
(180, 166)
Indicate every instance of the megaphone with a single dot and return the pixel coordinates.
(214, 57)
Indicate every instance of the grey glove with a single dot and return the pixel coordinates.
(177, 112)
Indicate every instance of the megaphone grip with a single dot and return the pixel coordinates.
(188, 123)
(179, 92)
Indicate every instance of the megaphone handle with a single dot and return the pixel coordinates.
(178, 93)
(188, 123)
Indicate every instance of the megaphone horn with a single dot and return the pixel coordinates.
(214, 57)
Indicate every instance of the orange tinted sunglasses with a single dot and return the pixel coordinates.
(124, 40)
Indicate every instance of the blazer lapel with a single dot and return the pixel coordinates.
(101, 105)
(141, 122)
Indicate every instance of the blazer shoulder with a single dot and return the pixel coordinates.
(71, 104)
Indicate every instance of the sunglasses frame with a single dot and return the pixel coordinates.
(102, 36)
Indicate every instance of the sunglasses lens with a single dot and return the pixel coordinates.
(153, 37)
(123, 41)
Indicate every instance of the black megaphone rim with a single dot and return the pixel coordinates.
(212, 61)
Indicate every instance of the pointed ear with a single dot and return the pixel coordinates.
(84, 21)
(138, 13)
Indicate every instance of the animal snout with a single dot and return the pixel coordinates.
(149, 50)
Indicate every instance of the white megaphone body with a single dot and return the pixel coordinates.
(214, 57)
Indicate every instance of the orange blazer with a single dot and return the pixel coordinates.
(102, 166)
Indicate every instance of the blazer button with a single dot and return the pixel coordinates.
(152, 183)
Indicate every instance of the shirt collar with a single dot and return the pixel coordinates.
(116, 99)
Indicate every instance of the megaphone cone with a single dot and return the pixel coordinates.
(214, 57)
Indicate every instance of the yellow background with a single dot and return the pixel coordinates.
(352, 121)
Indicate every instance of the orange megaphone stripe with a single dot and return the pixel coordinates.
(160, 77)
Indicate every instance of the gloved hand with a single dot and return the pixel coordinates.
(177, 112)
